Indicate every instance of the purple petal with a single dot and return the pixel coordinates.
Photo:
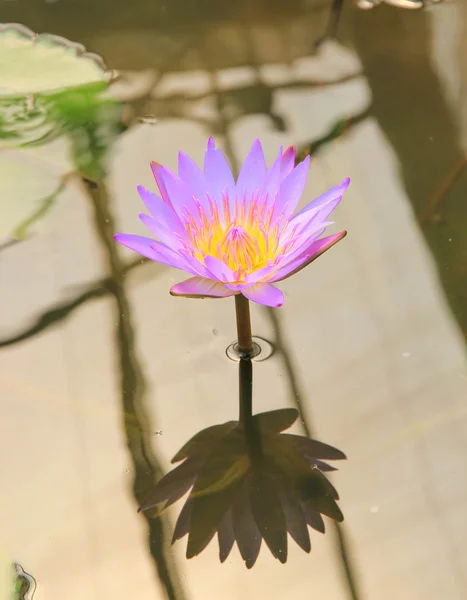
(138, 243)
(156, 171)
(165, 217)
(272, 179)
(219, 178)
(287, 162)
(253, 170)
(315, 249)
(167, 256)
(194, 177)
(264, 293)
(152, 250)
(175, 192)
(218, 269)
(320, 208)
(291, 190)
(152, 201)
(159, 231)
(198, 287)
(302, 241)
(237, 287)
(194, 265)
(260, 274)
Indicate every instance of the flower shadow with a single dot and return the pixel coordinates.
(249, 482)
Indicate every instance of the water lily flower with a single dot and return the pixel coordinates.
(234, 237)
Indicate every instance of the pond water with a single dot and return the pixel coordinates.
(104, 376)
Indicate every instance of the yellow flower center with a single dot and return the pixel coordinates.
(238, 249)
(245, 241)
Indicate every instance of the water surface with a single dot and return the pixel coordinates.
(104, 376)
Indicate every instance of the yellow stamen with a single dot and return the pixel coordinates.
(244, 240)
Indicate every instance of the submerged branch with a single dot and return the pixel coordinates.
(136, 420)
(62, 310)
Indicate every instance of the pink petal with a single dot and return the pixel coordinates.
(253, 170)
(264, 293)
(198, 287)
(291, 190)
(287, 162)
(219, 178)
(152, 250)
(315, 249)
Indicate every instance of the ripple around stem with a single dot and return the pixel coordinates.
(262, 350)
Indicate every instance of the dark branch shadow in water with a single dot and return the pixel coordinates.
(340, 127)
(408, 103)
(334, 18)
(298, 396)
(147, 467)
(53, 316)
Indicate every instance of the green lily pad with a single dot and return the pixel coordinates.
(42, 64)
(53, 94)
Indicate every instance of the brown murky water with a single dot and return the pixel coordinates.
(104, 376)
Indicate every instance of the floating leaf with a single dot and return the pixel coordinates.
(44, 63)
(52, 92)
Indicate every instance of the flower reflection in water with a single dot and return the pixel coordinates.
(250, 482)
